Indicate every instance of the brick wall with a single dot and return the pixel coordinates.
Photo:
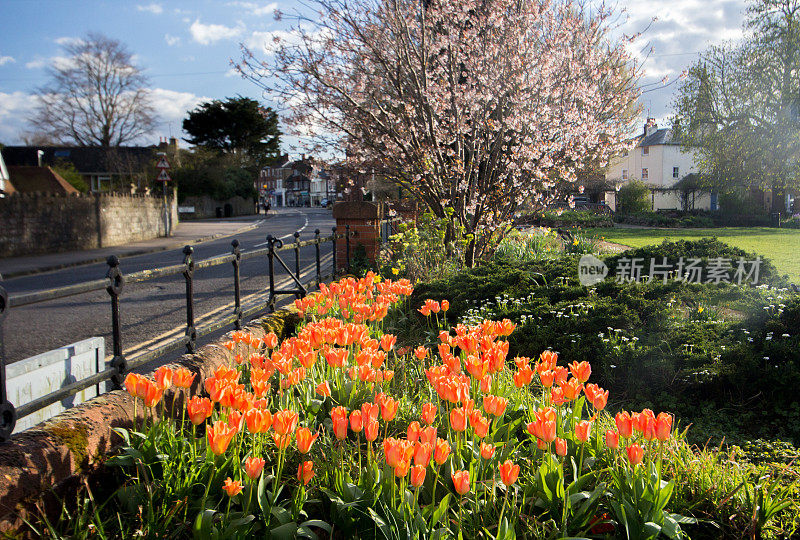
(34, 223)
(364, 221)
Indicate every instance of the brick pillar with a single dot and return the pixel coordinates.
(364, 219)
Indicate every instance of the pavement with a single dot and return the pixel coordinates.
(184, 233)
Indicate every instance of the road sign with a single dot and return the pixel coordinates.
(163, 176)
(162, 163)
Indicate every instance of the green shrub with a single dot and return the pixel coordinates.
(693, 349)
(634, 197)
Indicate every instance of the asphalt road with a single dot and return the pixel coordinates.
(155, 310)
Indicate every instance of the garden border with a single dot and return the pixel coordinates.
(72, 444)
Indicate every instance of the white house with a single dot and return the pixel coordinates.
(3, 177)
(659, 162)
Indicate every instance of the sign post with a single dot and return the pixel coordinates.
(163, 177)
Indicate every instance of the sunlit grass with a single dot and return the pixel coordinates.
(782, 246)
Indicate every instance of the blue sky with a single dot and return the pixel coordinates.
(185, 47)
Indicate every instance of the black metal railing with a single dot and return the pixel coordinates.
(114, 283)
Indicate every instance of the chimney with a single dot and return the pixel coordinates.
(39, 156)
(173, 143)
(650, 126)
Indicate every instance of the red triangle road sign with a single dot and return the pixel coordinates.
(163, 176)
(162, 163)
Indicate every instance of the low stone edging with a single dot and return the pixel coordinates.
(75, 442)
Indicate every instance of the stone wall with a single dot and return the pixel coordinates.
(74, 444)
(206, 207)
(34, 223)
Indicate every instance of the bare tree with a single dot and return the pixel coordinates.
(97, 96)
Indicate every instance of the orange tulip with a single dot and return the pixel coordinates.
(389, 408)
(458, 419)
(582, 430)
(480, 425)
(340, 428)
(219, 437)
(418, 475)
(420, 352)
(429, 413)
(153, 395)
(305, 439)
(284, 422)
(508, 472)
(235, 420)
(305, 472)
(258, 420)
(324, 389)
(612, 439)
(445, 305)
(561, 446)
(401, 471)
(232, 487)
(487, 450)
(183, 378)
(547, 377)
(635, 454)
(663, 426)
(163, 376)
(461, 481)
(571, 388)
(270, 340)
(495, 405)
(441, 452)
(131, 380)
(388, 341)
(282, 441)
(422, 453)
(428, 435)
(624, 424)
(356, 421)
(581, 370)
(413, 431)
(199, 409)
(370, 410)
(253, 467)
(371, 429)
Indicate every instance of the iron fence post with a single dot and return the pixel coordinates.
(188, 274)
(270, 258)
(297, 260)
(333, 240)
(316, 249)
(237, 302)
(8, 414)
(347, 245)
(114, 289)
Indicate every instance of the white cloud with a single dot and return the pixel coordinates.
(15, 109)
(268, 42)
(66, 40)
(36, 63)
(155, 9)
(205, 34)
(256, 9)
(676, 38)
(6, 60)
(171, 40)
(171, 106)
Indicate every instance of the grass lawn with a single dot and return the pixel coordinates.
(782, 246)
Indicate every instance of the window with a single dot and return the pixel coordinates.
(645, 150)
(624, 174)
(644, 174)
(675, 172)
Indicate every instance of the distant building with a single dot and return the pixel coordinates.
(303, 182)
(660, 162)
(4, 178)
(103, 169)
(37, 180)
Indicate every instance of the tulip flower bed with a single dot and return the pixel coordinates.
(337, 432)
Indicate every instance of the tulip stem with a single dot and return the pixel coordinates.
(503, 510)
